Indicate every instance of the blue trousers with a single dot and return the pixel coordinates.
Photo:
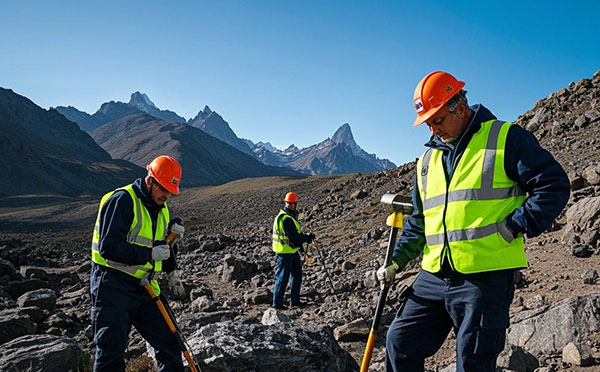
(288, 265)
(475, 305)
(117, 305)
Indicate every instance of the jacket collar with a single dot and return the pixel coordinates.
(139, 186)
(481, 114)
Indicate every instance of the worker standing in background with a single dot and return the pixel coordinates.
(480, 187)
(128, 243)
(287, 241)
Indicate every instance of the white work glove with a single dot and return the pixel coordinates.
(175, 284)
(161, 252)
(386, 274)
(178, 230)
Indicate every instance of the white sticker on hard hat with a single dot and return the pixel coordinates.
(418, 105)
(174, 180)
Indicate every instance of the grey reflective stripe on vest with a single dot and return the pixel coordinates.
(424, 169)
(466, 234)
(133, 235)
(131, 269)
(474, 194)
(487, 191)
(282, 241)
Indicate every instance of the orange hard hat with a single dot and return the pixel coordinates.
(432, 92)
(291, 197)
(167, 172)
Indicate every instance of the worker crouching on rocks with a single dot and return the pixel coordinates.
(129, 243)
(287, 241)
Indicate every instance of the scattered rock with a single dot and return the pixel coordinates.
(43, 298)
(357, 330)
(273, 316)
(590, 276)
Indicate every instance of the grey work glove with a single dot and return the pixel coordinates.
(178, 230)
(161, 252)
(505, 231)
(386, 274)
(175, 284)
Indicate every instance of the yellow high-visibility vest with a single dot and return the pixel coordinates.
(140, 233)
(462, 218)
(281, 242)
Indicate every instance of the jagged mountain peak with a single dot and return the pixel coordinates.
(344, 134)
(206, 110)
(140, 99)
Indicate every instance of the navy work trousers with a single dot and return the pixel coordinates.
(288, 265)
(117, 305)
(475, 305)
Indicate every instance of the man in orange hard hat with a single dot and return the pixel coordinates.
(287, 241)
(482, 184)
(129, 243)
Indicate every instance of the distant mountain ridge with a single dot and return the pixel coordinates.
(336, 155)
(44, 153)
(141, 102)
(205, 159)
(214, 124)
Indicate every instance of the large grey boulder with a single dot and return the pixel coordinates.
(549, 329)
(245, 345)
(14, 324)
(41, 353)
(43, 298)
(583, 223)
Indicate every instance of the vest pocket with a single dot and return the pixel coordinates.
(491, 333)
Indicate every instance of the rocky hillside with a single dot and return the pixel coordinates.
(139, 138)
(44, 153)
(228, 269)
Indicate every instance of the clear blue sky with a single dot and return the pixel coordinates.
(294, 71)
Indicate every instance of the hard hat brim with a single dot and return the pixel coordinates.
(421, 119)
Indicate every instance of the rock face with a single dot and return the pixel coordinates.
(246, 345)
(549, 330)
(41, 353)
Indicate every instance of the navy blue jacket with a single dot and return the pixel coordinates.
(115, 220)
(289, 227)
(525, 162)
